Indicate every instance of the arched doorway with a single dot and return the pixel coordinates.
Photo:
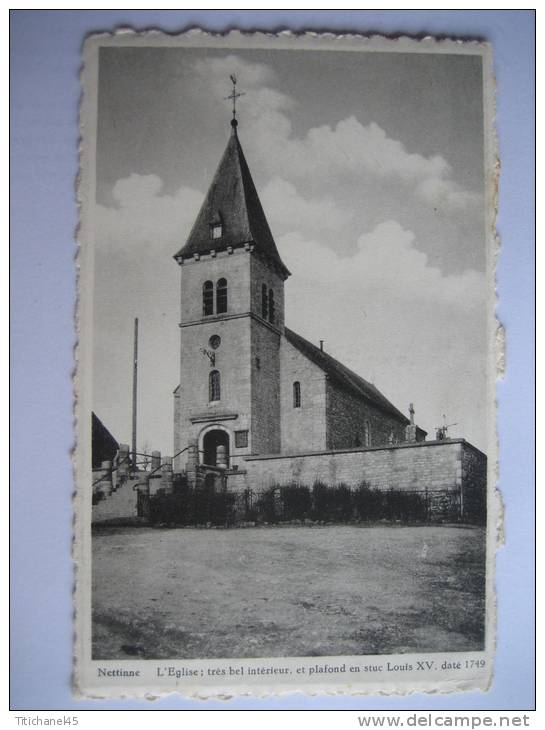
(211, 441)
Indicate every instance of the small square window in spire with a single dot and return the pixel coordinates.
(216, 231)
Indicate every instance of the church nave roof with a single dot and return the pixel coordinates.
(343, 376)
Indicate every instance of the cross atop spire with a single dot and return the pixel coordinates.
(234, 95)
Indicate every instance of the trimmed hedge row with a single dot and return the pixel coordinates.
(291, 502)
(339, 503)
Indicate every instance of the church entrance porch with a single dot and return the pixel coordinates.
(212, 440)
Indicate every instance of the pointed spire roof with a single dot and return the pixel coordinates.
(232, 202)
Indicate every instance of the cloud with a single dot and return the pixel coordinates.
(348, 149)
(131, 191)
(146, 219)
(386, 262)
(287, 209)
(213, 71)
(136, 276)
(446, 195)
(418, 334)
(351, 149)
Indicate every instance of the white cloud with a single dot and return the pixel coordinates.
(214, 72)
(136, 276)
(446, 195)
(145, 219)
(349, 149)
(386, 260)
(287, 209)
(385, 312)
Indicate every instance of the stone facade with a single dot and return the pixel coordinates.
(265, 389)
(247, 359)
(354, 422)
(302, 428)
(265, 357)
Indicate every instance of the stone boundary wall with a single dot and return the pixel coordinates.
(450, 465)
(431, 465)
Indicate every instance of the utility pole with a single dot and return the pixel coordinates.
(134, 391)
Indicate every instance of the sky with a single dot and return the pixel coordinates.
(369, 167)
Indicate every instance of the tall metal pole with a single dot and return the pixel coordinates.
(134, 391)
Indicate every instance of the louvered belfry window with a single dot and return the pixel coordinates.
(221, 296)
(207, 298)
(264, 307)
(214, 386)
(271, 306)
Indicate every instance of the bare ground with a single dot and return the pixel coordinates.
(287, 591)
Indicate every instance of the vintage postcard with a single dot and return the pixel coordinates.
(287, 354)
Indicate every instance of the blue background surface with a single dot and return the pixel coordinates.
(45, 93)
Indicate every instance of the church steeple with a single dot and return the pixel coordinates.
(231, 215)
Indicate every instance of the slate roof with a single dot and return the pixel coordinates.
(343, 376)
(232, 200)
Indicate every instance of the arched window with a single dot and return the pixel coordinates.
(264, 306)
(214, 385)
(271, 306)
(207, 298)
(297, 394)
(221, 296)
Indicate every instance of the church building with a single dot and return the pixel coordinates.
(259, 407)
(248, 383)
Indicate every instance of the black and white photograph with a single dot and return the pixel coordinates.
(286, 365)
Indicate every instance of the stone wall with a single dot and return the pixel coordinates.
(248, 358)
(427, 465)
(265, 359)
(234, 267)
(263, 273)
(121, 494)
(233, 361)
(351, 421)
(232, 358)
(451, 470)
(303, 428)
(474, 474)
(119, 504)
(265, 407)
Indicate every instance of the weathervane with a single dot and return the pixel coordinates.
(442, 431)
(234, 95)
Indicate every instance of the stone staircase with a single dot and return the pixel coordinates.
(119, 505)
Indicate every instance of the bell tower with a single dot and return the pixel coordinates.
(232, 320)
